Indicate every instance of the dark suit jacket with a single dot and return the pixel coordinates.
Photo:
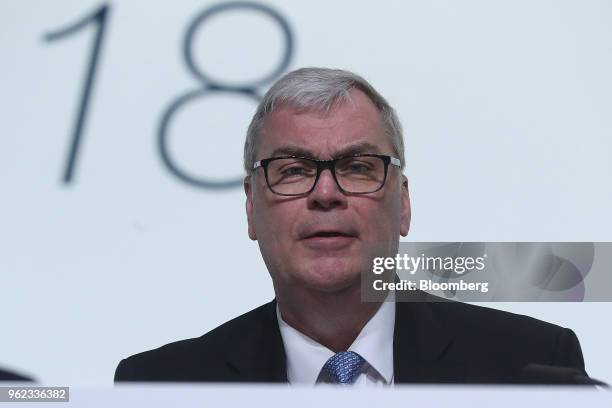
(440, 342)
(14, 377)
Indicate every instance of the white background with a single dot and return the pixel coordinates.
(506, 109)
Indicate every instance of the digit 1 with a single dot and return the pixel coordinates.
(98, 18)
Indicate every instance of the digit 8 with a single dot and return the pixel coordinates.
(210, 86)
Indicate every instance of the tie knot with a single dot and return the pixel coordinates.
(343, 367)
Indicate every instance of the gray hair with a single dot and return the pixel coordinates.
(319, 89)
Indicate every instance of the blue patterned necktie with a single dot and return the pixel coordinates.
(343, 367)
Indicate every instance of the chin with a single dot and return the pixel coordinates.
(330, 275)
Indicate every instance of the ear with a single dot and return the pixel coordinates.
(248, 190)
(406, 213)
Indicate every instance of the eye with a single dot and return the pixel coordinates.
(358, 168)
(294, 171)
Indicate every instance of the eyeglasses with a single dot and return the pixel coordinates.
(356, 174)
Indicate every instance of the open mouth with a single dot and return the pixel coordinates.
(325, 234)
(328, 240)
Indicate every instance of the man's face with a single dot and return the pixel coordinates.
(325, 240)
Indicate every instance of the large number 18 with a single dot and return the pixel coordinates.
(208, 85)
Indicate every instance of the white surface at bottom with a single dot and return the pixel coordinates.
(224, 395)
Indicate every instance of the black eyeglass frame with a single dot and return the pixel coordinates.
(327, 164)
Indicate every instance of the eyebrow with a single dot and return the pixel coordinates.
(356, 148)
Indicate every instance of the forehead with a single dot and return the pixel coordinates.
(355, 126)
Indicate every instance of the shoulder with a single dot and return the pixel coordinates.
(196, 359)
(470, 318)
(483, 330)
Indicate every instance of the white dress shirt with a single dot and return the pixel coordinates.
(306, 357)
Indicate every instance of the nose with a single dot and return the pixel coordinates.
(326, 194)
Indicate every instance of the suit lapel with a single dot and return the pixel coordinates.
(257, 354)
(420, 343)
(419, 348)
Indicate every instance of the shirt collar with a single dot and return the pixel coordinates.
(306, 357)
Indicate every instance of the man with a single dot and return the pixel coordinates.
(325, 194)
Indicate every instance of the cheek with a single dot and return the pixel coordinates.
(380, 219)
(273, 222)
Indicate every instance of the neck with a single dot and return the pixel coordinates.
(331, 319)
